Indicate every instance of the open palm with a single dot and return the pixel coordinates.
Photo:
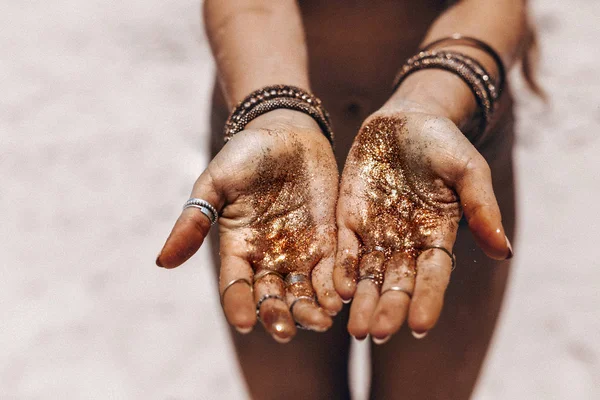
(276, 184)
(406, 182)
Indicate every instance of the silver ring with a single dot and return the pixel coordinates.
(292, 279)
(266, 272)
(397, 289)
(445, 250)
(233, 282)
(263, 299)
(205, 207)
(297, 299)
(379, 248)
(371, 277)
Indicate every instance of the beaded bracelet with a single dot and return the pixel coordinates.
(273, 97)
(459, 39)
(467, 68)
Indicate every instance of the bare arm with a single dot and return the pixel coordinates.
(265, 232)
(501, 24)
(256, 43)
(410, 150)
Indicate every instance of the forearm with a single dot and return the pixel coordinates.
(501, 24)
(256, 43)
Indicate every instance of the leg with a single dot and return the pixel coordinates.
(446, 364)
(313, 365)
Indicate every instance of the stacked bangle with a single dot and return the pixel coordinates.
(458, 39)
(270, 98)
(484, 87)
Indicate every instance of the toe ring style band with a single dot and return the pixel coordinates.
(264, 298)
(292, 279)
(397, 289)
(266, 272)
(205, 207)
(311, 299)
(371, 277)
(445, 250)
(233, 282)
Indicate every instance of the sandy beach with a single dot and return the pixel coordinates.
(103, 125)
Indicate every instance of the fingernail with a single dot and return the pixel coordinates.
(419, 335)
(281, 332)
(282, 339)
(510, 250)
(346, 301)
(381, 341)
(360, 339)
(243, 331)
(318, 328)
(158, 263)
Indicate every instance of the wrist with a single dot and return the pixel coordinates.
(435, 92)
(442, 92)
(276, 98)
(283, 117)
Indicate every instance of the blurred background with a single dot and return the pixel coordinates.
(103, 125)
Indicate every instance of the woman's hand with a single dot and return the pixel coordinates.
(407, 180)
(276, 183)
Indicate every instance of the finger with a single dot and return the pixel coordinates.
(235, 284)
(396, 292)
(481, 209)
(273, 312)
(433, 275)
(367, 294)
(191, 227)
(345, 271)
(322, 280)
(303, 306)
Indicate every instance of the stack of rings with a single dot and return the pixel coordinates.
(205, 207)
(292, 279)
(267, 296)
(377, 278)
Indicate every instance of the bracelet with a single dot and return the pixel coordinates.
(481, 45)
(273, 97)
(467, 68)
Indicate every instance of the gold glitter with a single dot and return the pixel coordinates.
(406, 205)
(283, 229)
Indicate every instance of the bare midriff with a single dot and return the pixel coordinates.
(356, 47)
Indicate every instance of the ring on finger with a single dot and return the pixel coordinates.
(266, 272)
(375, 278)
(296, 300)
(379, 248)
(445, 250)
(233, 282)
(205, 208)
(398, 289)
(264, 298)
(292, 279)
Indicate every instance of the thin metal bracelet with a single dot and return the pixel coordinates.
(468, 69)
(273, 97)
(460, 39)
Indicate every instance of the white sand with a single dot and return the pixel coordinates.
(103, 110)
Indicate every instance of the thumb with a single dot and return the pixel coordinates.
(474, 187)
(191, 227)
